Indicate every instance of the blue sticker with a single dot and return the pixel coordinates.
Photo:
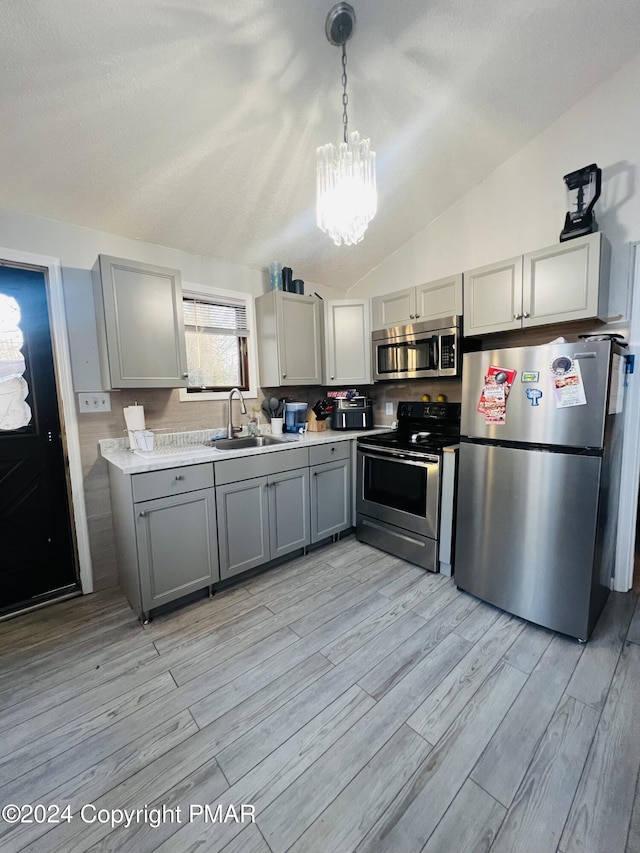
(533, 395)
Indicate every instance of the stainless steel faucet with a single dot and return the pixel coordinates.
(231, 430)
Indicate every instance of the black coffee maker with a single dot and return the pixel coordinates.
(583, 190)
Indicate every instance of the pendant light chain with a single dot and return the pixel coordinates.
(347, 199)
(345, 97)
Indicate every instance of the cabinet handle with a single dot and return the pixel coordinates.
(417, 317)
(185, 375)
(526, 315)
(179, 477)
(315, 473)
(411, 316)
(517, 316)
(142, 514)
(284, 375)
(333, 450)
(333, 377)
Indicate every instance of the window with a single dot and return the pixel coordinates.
(219, 345)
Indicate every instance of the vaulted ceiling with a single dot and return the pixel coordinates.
(194, 124)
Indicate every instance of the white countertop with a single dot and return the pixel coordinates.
(193, 454)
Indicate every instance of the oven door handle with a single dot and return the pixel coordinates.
(419, 460)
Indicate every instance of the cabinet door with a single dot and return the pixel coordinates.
(438, 299)
(177, 549)
(395, 309)
(140, 325)
(299, 339)
(348, 342)
(493, 297)
(243, 526)
(562, 282)
(289, 511)
(330, 498)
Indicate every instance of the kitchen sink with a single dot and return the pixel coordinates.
(248, 441)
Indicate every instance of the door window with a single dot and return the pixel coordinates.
(15, 412)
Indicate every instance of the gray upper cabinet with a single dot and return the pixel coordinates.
(567, 282)
(289, 339)
(493, 297)
(140, 324)
(347, 342)
(431, 301)
(562, 283)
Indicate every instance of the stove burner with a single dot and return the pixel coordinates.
(421, 428)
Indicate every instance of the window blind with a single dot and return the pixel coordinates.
(215, 317)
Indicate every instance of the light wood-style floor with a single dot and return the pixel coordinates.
(357, 702)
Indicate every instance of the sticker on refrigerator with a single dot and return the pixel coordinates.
(530, 376)
(533, 395)
(568, 388)
(495, 393)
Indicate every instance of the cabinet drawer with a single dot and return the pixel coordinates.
(321, 453)
(172, 481)
(261, 465)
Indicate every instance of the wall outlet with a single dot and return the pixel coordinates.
(388, 408)
(99, 401)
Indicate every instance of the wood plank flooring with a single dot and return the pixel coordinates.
(354, 701)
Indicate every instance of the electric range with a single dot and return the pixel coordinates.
(406, 485)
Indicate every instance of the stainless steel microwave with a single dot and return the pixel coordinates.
(418, 351)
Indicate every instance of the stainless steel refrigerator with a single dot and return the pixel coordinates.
(538, 480)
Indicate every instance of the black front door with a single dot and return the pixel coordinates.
(37, 553)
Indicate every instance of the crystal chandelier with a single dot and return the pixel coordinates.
(346, 176)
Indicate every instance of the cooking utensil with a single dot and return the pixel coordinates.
(273, 406)
(266, 411)
(280, 409)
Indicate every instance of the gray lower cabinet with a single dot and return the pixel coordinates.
(165, 533)
(288, 512)
(331, 495)
(330, 498)
(262, 518)
(243, 526)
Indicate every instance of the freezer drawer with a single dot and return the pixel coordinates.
(526, 534)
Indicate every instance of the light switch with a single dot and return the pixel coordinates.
(388, 408)
(98, 401)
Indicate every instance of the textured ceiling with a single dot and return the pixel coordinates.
(194, 124)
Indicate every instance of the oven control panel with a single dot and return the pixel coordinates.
(433, 411)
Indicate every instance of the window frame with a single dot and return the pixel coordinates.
(209, 293)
